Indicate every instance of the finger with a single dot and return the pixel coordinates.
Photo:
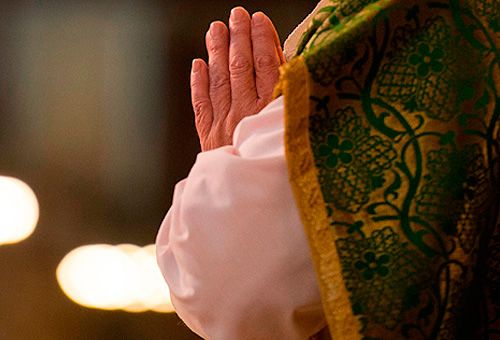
(241, 70)
(277, 41)
(279, 48)
(200, 98)
(217, 41)
(265, 57)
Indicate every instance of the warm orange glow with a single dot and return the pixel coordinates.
(114, 277)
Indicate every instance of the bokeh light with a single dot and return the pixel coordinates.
(109, 277)
(19, 210)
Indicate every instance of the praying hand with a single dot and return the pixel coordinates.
(243, 68)
(363, 202)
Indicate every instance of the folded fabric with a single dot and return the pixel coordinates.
(232, 248)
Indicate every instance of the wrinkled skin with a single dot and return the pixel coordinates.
(238, 81)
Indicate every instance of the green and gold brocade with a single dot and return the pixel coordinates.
(392, 141)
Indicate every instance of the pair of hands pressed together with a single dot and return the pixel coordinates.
(243, 68)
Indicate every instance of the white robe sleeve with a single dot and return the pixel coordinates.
(232, 248)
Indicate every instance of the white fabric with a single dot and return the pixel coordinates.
(232, 248)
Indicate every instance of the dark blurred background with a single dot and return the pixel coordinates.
(95, 116)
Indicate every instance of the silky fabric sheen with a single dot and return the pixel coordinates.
(232, 247)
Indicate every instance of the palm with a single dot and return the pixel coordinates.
(239, 78)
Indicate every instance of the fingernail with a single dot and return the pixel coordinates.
(258, 18)
(196, 65)
(215, 29)
(237, 14)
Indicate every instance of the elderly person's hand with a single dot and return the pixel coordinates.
(240, 76)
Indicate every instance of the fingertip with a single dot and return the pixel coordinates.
(199, 71)
(218, 23)
(197, 65)
(258, 18)
(239, 10)
(217, 29)
(239, 13)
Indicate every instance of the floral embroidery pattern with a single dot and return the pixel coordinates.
(419, 74)
(455, 192)
(488, 9)
(427, 61)
(404, 134)
(335, 151)
(351, 161)
(371, 265)
(326, 64)
(366, 265)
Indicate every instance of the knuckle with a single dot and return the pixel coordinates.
(201, 107)
(216, 46)
(201, 124)
(219, 84)
(267, 63)
(240, 65)
(261, 34)
(241, 28)
(196, 82)
(219, 80)
(213, 48)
